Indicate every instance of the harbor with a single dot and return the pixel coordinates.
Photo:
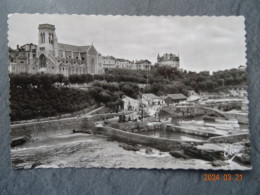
(203, 140)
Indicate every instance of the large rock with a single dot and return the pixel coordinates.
(219, 163)
(243, 159)
(148, 150)
(18, 141)
(129, 147)
(179, 154)
(209, 152)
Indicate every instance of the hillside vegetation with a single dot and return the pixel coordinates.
(43, 95)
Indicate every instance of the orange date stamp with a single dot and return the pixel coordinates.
(224, 177)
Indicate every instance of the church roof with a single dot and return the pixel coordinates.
(73, 48)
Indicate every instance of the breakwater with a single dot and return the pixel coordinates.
(230, 138)
(191, 131)
(162, 144)
(48, 128)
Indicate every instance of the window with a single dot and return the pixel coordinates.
(22, 62)
(42, 48)
(77, 58)
(42, 37)
(53, 67)
(83, 58)
(50, 38)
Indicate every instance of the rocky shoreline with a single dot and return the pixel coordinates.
(214, 153)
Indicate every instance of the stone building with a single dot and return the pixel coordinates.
(21, 57)
(108, 62)
(174, 98)
(130, 104)
(168, 60)
(143, 65)
(126, 64)
(50, 56)
(151, 99)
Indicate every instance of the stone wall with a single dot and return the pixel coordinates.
(48, 128)
(133, 138)
(128, 126)
(63, 116)
(190, 131)
(230, 138)
(241, 117)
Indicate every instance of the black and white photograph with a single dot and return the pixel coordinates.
(103, 91)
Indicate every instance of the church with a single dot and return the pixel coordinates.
(50, 56)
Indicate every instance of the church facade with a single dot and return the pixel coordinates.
(50, 56)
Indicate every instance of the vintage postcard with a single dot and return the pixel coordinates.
(128, 92)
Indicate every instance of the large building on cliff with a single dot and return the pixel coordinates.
(50, 56)
(170, 59)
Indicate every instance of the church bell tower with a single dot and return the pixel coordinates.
(47, 40)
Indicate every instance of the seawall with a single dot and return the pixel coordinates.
(241, 117)
(133, 138)
(48, 128)
(230, 138)
(190, 131)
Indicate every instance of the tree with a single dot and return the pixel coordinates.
(129, 91)
(167, 72)
(89, 78)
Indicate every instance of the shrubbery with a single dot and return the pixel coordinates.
(25, 80)
(40, 102)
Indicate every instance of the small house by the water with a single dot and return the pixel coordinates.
(151, 99)
(174, 98)
(130, 104)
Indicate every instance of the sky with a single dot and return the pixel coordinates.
(202, 43)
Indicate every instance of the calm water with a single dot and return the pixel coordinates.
(172, 135)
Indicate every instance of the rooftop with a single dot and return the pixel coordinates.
(177, 96)
(127, 98)
(168, 57)
(49, 26)
(74, 48)
(143, 61)
(151, 96)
